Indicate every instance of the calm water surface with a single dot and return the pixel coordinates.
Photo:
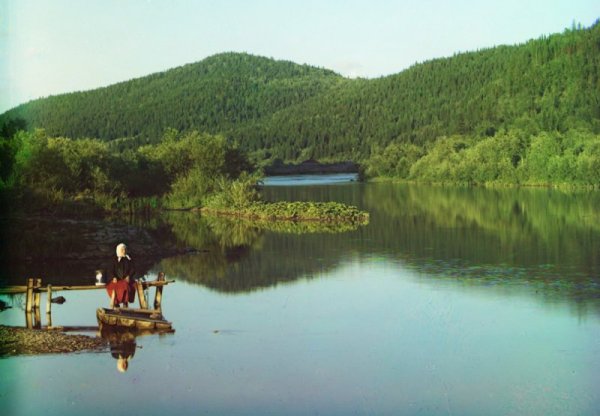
(451, 301)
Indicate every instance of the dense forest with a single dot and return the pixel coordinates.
(523, 114)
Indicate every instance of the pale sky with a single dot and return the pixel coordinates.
(50, 47)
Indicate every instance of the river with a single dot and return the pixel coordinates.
(461, 301)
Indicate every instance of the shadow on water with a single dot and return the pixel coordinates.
(69, 251)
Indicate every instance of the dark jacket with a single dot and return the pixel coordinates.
(123, 268)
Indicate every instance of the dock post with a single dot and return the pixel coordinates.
(48, 307)
(36, 294)
(37, 319)
(29, 297)
(28, 320)
(158, 293)
(49, 300)
(141, 296)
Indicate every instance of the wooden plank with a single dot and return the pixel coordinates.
(29, 300)
(28, 320)
(141, 295)
(49, 307)
(158, 283)
(159, 290)
(7, 290)
(132, 310)
(49, 300)
(37, 319)
(74, 287)
(36, 294)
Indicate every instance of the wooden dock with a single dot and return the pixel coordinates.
(34, 290)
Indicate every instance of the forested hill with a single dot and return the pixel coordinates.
(547, 84)
(281, 109)
(212, 95)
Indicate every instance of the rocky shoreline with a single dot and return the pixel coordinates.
(22, 341)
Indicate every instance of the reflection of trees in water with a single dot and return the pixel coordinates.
(536, 241)
(240, 257)
(505, 212)
(69, 251)
(519, 227)
(543, 282)
(539, 242)
(200, 232)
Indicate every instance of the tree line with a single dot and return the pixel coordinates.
(527, 114)
(182, 171)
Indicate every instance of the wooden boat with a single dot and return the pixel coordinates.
(132, 318)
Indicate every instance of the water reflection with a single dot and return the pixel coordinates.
(123, 343)
(237, 255)
(69, 251)
(539, 242)
(122, 346)
(542, 241)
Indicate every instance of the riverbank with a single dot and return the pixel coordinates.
(489, 185)
(23, 341)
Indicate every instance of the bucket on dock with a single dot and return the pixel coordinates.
(99, 278)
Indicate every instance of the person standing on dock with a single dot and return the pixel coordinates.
(121, 285)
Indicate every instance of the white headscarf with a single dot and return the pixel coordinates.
(121, 245)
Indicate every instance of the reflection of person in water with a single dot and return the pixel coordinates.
(121, 284)
(122, 348)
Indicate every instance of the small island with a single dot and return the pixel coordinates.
(329, 212)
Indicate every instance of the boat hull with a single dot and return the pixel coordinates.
(143, 319)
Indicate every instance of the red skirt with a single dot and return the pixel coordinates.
(122, 288)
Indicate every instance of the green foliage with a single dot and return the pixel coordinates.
(507, 158)
(183, 170)
(60, 165)
(237, 194)
(277, 109)
(441, 162)
(190, 190)
(572, 157)
(202, 167)
(395, 160)
(524, 114)
(221, 91)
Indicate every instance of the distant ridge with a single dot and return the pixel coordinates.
(296, 112)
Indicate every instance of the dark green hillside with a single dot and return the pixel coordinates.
(546, 84)
(211, 96)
